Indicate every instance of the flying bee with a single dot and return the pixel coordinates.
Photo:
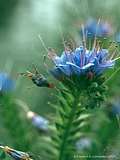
(15, 154)
(37, 78)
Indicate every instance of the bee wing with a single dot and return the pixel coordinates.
(35, 69)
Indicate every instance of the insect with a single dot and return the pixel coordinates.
(37, 78)
(15, 154)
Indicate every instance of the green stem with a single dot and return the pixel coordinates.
(67, 130)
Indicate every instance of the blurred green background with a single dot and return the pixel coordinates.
(21, 21)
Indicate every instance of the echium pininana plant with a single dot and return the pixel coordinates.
(82, 85)
(80, 72)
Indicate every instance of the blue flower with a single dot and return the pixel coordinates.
(117, 37)
(83, 143)
(38, 121)
(81, 61)
(6, 83)
(92, 28)
(116, 108)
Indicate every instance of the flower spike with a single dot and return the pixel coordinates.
(81, 61)
(97, 28)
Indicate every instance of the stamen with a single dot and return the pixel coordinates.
(112, 46)
(46, 49)
(61, 34)
(35, 69)
(51, 53)
(95, 39)
(42, 42)
(113, 54)
(98, 46)
(81, 58)
(84, 46)
(73, 45)
(89, 43)
(83, 38)
(45, 64)
(116, 59)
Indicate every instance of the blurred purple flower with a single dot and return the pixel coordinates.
(38, 121)
(82, 61)
(117, 37)
(92, 28)
(116, 108)
(83, 143)
(6, 83)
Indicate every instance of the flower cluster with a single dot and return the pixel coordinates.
(81, 61)
(92, 28)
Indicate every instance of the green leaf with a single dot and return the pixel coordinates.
(2, 156)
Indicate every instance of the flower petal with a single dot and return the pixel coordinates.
(87, 66)
(65, 69)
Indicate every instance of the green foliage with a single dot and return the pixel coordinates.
(16, 126)
(72, 116)
(2, 155)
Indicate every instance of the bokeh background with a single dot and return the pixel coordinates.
(21, 21)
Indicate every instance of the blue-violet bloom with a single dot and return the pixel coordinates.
(6, 83)
(92, 28)
(116, 108)
(82, 61)
(38, 121)
(83, 143)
